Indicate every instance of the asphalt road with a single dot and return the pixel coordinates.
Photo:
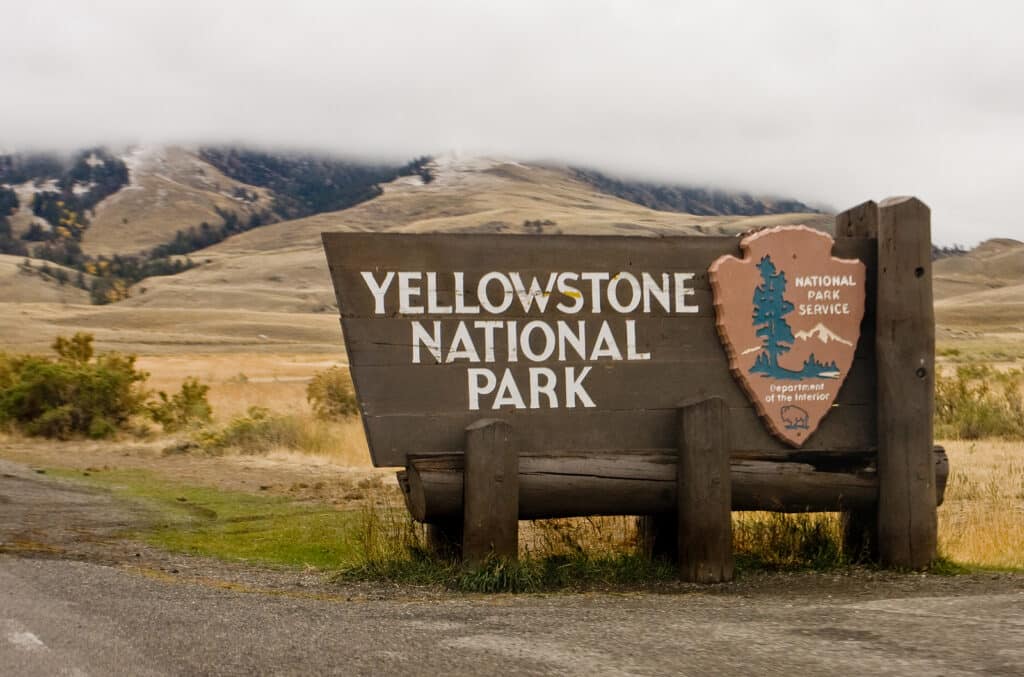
(76, 600)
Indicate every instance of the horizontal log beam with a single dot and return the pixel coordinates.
(641, 483)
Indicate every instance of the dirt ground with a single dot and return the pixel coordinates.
(299, 476)
(76, 598)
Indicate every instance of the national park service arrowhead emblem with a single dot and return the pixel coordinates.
(789, 315)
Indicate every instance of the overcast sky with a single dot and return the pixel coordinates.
(827, 102)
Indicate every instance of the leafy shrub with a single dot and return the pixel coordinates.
(186, 408)
(980, 401)
(77, 349)
(331, 395)
(257, 432)
(75, 394)
(261, 430)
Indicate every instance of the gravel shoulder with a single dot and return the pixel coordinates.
(75, 595)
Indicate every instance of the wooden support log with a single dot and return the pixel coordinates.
(704, 495)
(860, 526)
(491, 493)
(905, 353)
(644, 483)
(443, 537)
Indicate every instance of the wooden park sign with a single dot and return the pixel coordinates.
(527, 377)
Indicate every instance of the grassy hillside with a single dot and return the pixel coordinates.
(992, 264)
(304, 184)
(473, 196)
(672, 197)
(979, 302)
(41, 283)
(268, 289)
(1000, 309)
(170, 189)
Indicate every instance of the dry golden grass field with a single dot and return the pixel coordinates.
(982, 519)
(981, 522)
(257, 319)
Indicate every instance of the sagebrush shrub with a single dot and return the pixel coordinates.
(256, 432)
(186, 408)
(979, 401)
(331, 395)
(75, 394)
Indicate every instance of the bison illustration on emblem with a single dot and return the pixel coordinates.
(795, 418)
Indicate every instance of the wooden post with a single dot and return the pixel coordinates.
(491, 492)
(860, 526)
(905, 350)
(859, 221)
(658, 536)
(705, 493)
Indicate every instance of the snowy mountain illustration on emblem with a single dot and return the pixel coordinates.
(823, 334)
(820, 332)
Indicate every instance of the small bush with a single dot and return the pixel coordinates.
(186, 408)
(75, 394)
(258, 431)
(331, 395)
(979, 401)
(76, 350)
(261, 430)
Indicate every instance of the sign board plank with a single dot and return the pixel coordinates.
(609, 336)
(655, 383)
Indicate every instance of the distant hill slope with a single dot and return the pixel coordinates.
(116, 202)
(982, 290)
(306, 184)
(170, 189)
(281, 266)
(991, 265)
(689, 199)
(133, 201)
(56, 194)
(991, 310)
(54, 284)
(269, 288)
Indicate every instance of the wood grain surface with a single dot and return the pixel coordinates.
(422, 408)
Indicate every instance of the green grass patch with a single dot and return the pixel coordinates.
(772, 541)
(234, 525)
(943, 566)
(384, 545)
(532, 573)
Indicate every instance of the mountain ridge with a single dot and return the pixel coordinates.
(689, 199)
(272, 280)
